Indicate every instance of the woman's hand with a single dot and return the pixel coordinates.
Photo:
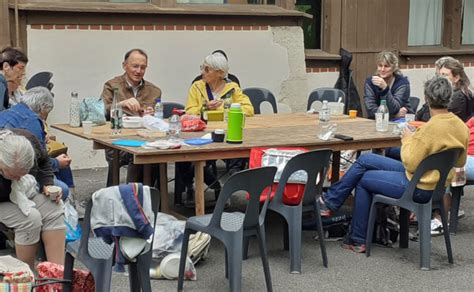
(63, 161)
(402, 112)
(47, 194)
(214, 104)
(379, 82)
(148, 111)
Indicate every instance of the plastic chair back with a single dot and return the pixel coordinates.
(313, 163)
(253, 181)
(40, 79)
(168, 107)
(414, 102)
(442, 162)
(325, 93)
(258, 95)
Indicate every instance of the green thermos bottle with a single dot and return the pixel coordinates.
(235, 124)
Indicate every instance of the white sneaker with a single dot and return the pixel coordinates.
(436, 227)
(461, 213)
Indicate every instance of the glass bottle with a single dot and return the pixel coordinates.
(74, 117)
(116, 115)
(204, 116)
(381, 117)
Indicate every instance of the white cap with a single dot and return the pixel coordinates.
(235, 105)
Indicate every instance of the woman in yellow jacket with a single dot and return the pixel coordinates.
(214, 88)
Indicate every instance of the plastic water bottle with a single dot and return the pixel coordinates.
(381, 117)
(324, 122)
(116, 115)
(158, 109)
(175, 125)
(74, 118)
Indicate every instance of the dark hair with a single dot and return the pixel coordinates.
(12, 56)
(222, 53)
(438, 92)
(140, 51)
(457, 69)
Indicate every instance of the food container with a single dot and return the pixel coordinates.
(217, 115)
(132, 122)
(218, 135)
(336, 108)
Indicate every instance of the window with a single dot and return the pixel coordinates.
(311, 27)
(468, 23)
(425, 22)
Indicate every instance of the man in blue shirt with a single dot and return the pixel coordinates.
(12, 69)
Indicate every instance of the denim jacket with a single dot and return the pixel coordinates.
(20, 116)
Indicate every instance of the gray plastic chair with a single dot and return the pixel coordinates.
(230, 228)
(258, 95)
(40, 79)
(325, 93)
(313, 163)
(168, 107)
(98, 257)
(414, 102)
(443, 162)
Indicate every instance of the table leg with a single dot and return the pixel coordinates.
(336, 162)
(147, 175)
(199, 190)
(165, 207)
(116, 167)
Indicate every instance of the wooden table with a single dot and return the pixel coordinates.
(280, 130)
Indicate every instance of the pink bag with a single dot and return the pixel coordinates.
(82, 281)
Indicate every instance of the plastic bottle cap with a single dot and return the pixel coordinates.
(235, 105)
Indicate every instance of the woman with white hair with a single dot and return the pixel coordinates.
(22, 154)
(29, 114)
(387, 84)
(215, 87)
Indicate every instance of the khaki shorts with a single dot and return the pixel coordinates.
(46, 215)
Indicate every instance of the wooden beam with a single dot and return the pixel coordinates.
(287, 4)
(164, 3)
(5, 39)
(331, 26)
(452, 24)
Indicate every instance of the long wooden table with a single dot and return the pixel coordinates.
(280, 130)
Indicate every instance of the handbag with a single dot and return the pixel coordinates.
(55, 148)
(92, 109)
(82, 281)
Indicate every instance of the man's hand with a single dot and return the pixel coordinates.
(402, 112)
(64, 161)
(149, 111)
(131, 103)
(379, 82)
(214, 104)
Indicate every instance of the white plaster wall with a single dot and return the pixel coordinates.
(82, 60)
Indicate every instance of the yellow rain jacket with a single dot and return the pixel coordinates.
(198, 94)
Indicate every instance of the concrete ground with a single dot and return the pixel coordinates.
(386, 269)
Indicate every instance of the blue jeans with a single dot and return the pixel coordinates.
(393, 152)
(470, 167)
(370, 174)
(65, 175)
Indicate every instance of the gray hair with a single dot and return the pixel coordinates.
(438, 92)
(38, 99)
(17, 151)
(217, 61)
(442, 61)
(391, 59)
